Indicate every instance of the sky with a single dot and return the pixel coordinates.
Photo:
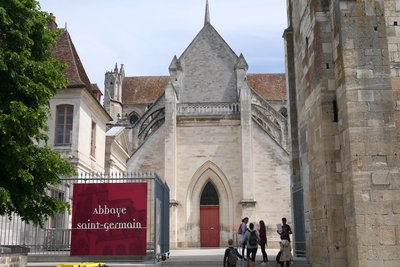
(144, 35)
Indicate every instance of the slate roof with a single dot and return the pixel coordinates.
(147, 89)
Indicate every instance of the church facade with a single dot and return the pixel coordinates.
(215, 134)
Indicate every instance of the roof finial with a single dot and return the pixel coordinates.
(207, 17)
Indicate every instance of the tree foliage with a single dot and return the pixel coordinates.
(29, 77)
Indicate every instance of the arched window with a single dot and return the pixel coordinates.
(64, 122)
(209, 195)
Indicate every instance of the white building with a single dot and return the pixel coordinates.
(78, 121)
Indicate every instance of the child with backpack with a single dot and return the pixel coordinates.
(231, 255)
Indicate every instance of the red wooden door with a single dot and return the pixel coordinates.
(209, 226)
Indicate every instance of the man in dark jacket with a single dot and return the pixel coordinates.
(286, 231)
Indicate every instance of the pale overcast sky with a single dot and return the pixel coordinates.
(144, 35)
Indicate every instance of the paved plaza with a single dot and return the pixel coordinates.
(192, 257)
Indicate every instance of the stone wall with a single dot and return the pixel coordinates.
(211, 151)
(344, 78)
(13, 256)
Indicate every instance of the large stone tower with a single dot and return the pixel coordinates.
(343, 81)
(113, 92)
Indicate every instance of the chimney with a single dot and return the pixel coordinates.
(52, 23)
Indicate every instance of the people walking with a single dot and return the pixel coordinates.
(253, 238)
(231, 255)
(263, 241)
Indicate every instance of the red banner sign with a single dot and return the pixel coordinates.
(109, 219)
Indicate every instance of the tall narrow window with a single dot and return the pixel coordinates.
(64, 121)
(335, 111)
(93, 140)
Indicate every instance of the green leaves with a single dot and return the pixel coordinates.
(29, 77)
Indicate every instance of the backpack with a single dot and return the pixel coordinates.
(232, 258)
(253, 239)
(240, 229)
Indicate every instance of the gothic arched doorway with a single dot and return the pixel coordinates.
(209, 217)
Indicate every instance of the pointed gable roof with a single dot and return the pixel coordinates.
(201, 82)
(208, 29)
(65, 52)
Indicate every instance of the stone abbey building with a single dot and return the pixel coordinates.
(231, 144)
(343, 73)
(217, 135)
